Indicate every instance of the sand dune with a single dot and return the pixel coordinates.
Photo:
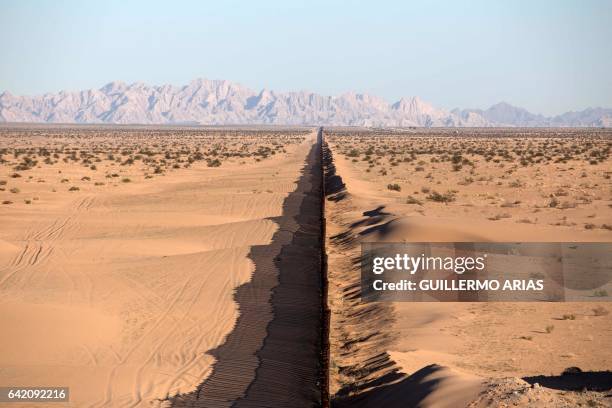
(125, 292)
(443, 354)
(365, 369)
(272, 356)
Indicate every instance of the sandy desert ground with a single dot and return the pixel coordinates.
(180, 267)
(467, 185)
(135, 262)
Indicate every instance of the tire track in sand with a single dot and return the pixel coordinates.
(39, 244)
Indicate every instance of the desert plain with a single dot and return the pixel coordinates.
(183, 266)
(121, 250)
(468, 185)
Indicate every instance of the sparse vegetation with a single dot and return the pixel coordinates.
(412, 200)
(445, 198)
(600, 311)
(86, 156)
(600, 293)
(498, 217)
(214, 163)
(523, 170)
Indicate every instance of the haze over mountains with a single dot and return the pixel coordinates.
(219, 102)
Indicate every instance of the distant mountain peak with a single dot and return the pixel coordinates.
(502, 104)
(221, 102)
(114, 86)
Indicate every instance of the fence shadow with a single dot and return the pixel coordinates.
(272, 356)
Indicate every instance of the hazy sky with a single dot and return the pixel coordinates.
(547, 56)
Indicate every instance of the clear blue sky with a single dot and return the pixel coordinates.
(547, 56)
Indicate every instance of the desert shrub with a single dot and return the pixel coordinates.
(74, 188)
(214, 163)
(600, 293)
(412, 200)
(525, 221)
(600, 311)
(553, 203)
(445, 198)
(394, 187)
(498, 217)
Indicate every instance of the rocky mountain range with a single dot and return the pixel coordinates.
(219, 102)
